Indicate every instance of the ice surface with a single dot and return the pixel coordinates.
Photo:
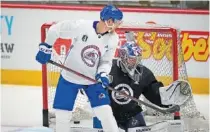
(21, 107)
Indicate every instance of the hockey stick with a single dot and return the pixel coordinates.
(172, 109)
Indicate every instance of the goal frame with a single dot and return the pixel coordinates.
(175, 71)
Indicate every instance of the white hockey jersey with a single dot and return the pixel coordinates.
(88, 54)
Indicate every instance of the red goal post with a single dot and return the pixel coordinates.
(162, 54)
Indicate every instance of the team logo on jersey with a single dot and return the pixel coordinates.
(119, 98)
(101, 96)
(134, 122)
(90, 55)
(84, 38)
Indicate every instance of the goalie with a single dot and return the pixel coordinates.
(128, 75)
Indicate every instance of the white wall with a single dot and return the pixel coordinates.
(21, 27)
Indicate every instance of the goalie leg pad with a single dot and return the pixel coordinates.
(157, 127)
(63, 118)
(176, 125)
(162, 126)
(105, 115)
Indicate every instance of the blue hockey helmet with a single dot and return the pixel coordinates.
(130, 54)
(111, 12)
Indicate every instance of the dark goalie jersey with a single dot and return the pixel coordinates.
(124, 108)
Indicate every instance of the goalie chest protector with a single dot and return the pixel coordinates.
(122, 106)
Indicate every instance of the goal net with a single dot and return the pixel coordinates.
(162, 54)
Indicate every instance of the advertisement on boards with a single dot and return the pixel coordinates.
(7, 45)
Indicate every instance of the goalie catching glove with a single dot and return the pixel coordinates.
(44, 53)
(176, 93)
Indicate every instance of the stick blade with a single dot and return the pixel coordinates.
(173, 109)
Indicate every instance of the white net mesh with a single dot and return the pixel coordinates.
(162, 54)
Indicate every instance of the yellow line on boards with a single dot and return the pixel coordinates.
(21, 77)
(34, 78)
(200, 85)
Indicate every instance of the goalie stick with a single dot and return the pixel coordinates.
(171, 109)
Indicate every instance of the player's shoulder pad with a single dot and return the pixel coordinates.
(113, 40)
(144, 69)
(115, 36)
(140, 67)
(75, 23)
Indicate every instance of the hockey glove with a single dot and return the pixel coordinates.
(44, 54)
(102, 78)
(176, 93)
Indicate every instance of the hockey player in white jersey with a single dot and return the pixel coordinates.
(91, 53)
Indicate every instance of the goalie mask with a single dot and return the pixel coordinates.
(130, 54)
